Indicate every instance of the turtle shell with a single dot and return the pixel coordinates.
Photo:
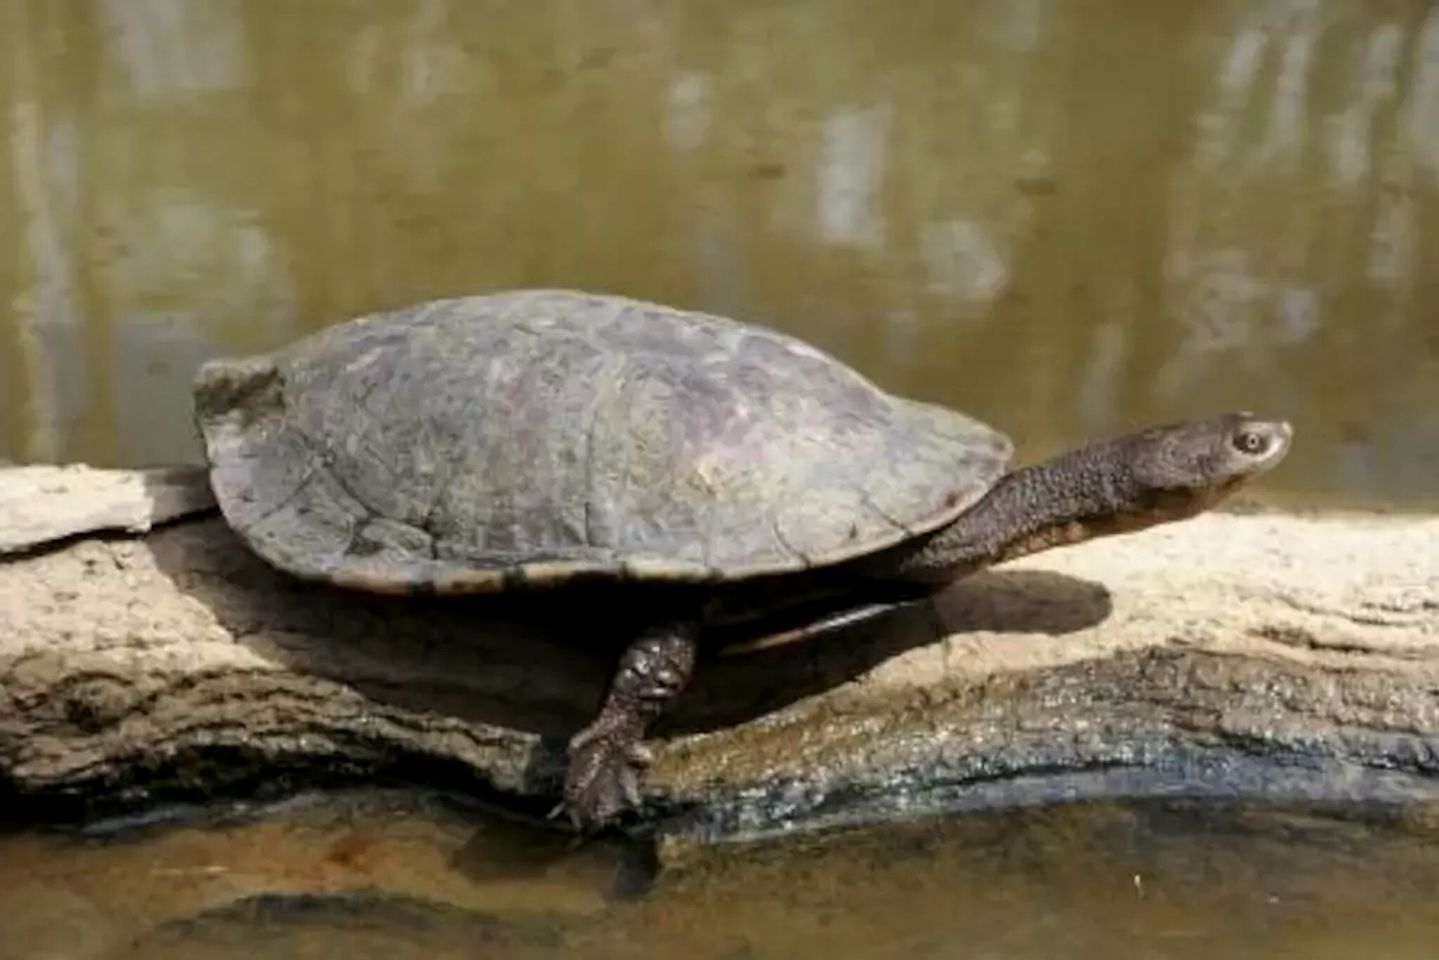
(467, 445)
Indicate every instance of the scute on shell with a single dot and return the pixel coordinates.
(464, 444)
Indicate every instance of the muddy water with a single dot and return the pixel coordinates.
(1068, 218)
(401, 878)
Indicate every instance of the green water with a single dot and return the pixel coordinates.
(1066, 217)
(400, 877)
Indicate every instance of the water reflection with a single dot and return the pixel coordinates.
(408, 877)
(1066, 219)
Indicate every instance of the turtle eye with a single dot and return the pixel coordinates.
(1248, 441)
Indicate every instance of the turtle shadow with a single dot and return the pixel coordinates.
(540, 665)
(738, 684)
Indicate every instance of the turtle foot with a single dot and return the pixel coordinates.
(603, 780)
(608, 757)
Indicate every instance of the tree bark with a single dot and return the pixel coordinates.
(1234, 654)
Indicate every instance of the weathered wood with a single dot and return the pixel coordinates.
(42, 504)
(1256, 653)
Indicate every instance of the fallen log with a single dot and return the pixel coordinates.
(44, 504)
(1235, 654)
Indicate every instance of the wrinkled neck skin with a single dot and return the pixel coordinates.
(1077, 496)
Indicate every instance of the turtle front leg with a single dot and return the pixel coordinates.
(608, 756)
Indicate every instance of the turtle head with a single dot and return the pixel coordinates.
(1120, 485)
(1203, 458)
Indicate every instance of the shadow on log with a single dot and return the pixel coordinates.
(1232, 654)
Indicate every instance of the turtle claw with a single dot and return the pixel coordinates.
(639, 755)
(603, 780)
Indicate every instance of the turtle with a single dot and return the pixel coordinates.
(539, 439)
